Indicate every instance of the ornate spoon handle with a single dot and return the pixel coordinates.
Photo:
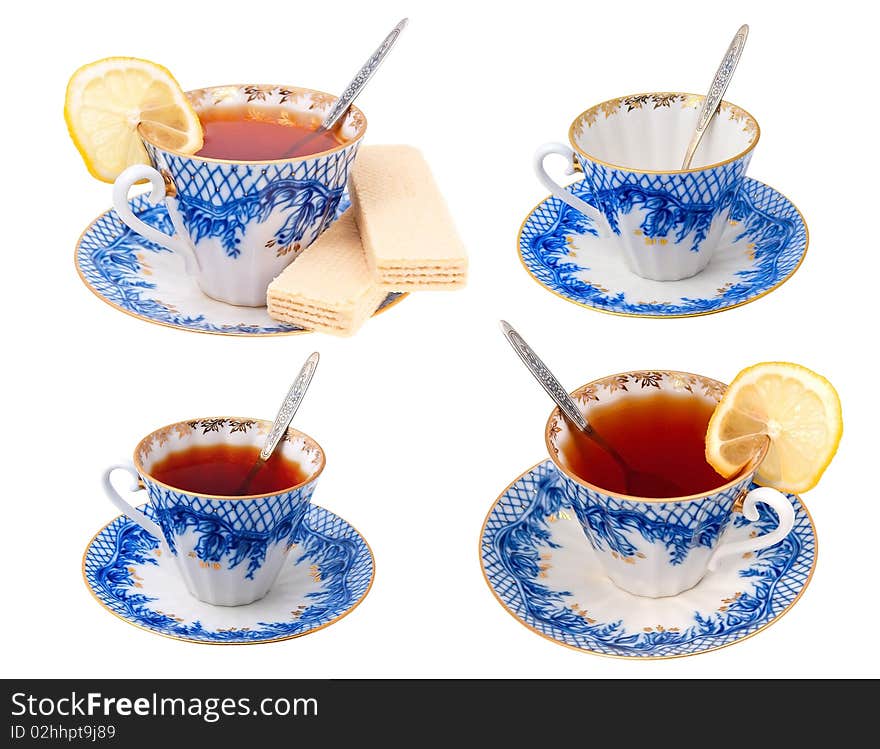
(289, 406)
(716, 91)
(545, 377)
(363, 75)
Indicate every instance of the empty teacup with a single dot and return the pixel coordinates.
(664, 541)
(666, 222)
(250, 201)
(229, 549)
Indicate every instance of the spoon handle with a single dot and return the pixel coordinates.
(363, 75)
(716, 91)
(290, 405)
(545, 377)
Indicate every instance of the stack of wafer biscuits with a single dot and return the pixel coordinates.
(398, 236)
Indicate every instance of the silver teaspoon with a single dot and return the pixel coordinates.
(633, 479)
(285, 415)
(716, 91)
(354, 88)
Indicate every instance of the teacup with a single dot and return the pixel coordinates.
(238, 224)
(229, 550)
(665, 222)
(662, 547)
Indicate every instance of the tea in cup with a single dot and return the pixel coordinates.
(228, 548)
(262, 188)
(657, 527)
(666, 222)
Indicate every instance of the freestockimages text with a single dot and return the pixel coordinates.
(210, 709)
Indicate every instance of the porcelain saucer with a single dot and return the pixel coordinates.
(147, 281)
(763, 245)
(329, 572)
(540, 566)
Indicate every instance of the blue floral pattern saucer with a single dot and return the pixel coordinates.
(148, 281)
(329, 572)
(763, 245)
(540, 566)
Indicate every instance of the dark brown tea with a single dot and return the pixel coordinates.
(660, 436)
(259, 134)
(221, 469)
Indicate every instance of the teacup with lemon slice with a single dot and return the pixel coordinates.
(242, 203)
(715, 551)
(778, 424)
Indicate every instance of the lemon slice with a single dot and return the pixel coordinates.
(797, 409)
(106, 102)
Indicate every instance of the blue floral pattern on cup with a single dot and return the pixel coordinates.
(220, 201)
(677, 207)
(661, 537)
(612, 522)
(223, 534)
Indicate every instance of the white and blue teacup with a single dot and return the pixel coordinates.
(229, 550)
(662, 547)
(238, 224)
(664, 221)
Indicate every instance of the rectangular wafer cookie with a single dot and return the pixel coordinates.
(408, 236)
(329, 287)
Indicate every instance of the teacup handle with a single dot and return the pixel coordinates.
(779, 502)
(176, 243)
(557, 191)
(124, 507)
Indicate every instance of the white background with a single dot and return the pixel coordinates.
(426, 414)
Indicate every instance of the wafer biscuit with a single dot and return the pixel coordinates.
(329, 287)
(408, 236)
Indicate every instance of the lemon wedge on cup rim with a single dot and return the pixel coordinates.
(795, 408)
(109, 99)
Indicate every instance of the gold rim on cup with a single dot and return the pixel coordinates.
(361, 127)
(694, 100)
(291, 434)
